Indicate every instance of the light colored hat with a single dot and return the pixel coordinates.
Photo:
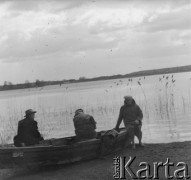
(29, 112)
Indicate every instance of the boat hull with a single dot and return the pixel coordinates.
(59, 152)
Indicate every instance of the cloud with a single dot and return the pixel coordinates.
(34, 34)
(178, 4)
(43, 5)
(18, 46)
(172, 20)
(22, 5)
(132, 29)
(154, 46)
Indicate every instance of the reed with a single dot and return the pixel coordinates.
(146, 102)
(159, 100)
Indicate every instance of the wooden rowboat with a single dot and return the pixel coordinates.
(62, 150)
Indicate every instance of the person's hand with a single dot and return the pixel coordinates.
(41, 138)
(117, 129)
(137, 122)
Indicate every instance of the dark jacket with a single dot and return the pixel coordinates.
(85, 126)
(27, 133)
(130, 113)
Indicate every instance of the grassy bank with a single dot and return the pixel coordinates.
(103, 168)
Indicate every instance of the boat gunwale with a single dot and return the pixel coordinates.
(4, 149)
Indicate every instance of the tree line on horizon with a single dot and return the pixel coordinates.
(40, 83)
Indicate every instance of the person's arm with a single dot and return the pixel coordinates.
(93, 122)
(120, 118)
(36, 131)
(139, 114)
(18, 139)
(20, 129)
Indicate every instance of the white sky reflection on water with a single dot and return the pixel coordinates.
(166, 108)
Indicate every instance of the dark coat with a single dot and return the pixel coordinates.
(130, 113)
(85, 126)
(27, 133)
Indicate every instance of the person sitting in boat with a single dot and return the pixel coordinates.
(85, 125)
(132, 116)
(28, 133)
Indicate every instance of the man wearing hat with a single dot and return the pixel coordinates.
(84, 124)
(132, 116)
(28, 133)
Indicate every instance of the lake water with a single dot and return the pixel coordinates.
(164, 99)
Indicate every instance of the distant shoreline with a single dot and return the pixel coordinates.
(40, 83)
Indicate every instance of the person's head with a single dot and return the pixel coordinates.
(78, 111)
(30, 114)
(128, 100)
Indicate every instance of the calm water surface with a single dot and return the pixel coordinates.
(164, 99)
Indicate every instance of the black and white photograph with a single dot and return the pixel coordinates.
(95, 89)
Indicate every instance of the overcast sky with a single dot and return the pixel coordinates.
(56, 40)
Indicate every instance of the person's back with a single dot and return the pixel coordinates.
(28, 133)
(85, 125)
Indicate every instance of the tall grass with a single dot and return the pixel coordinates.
(146, 102)
(160, 101)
